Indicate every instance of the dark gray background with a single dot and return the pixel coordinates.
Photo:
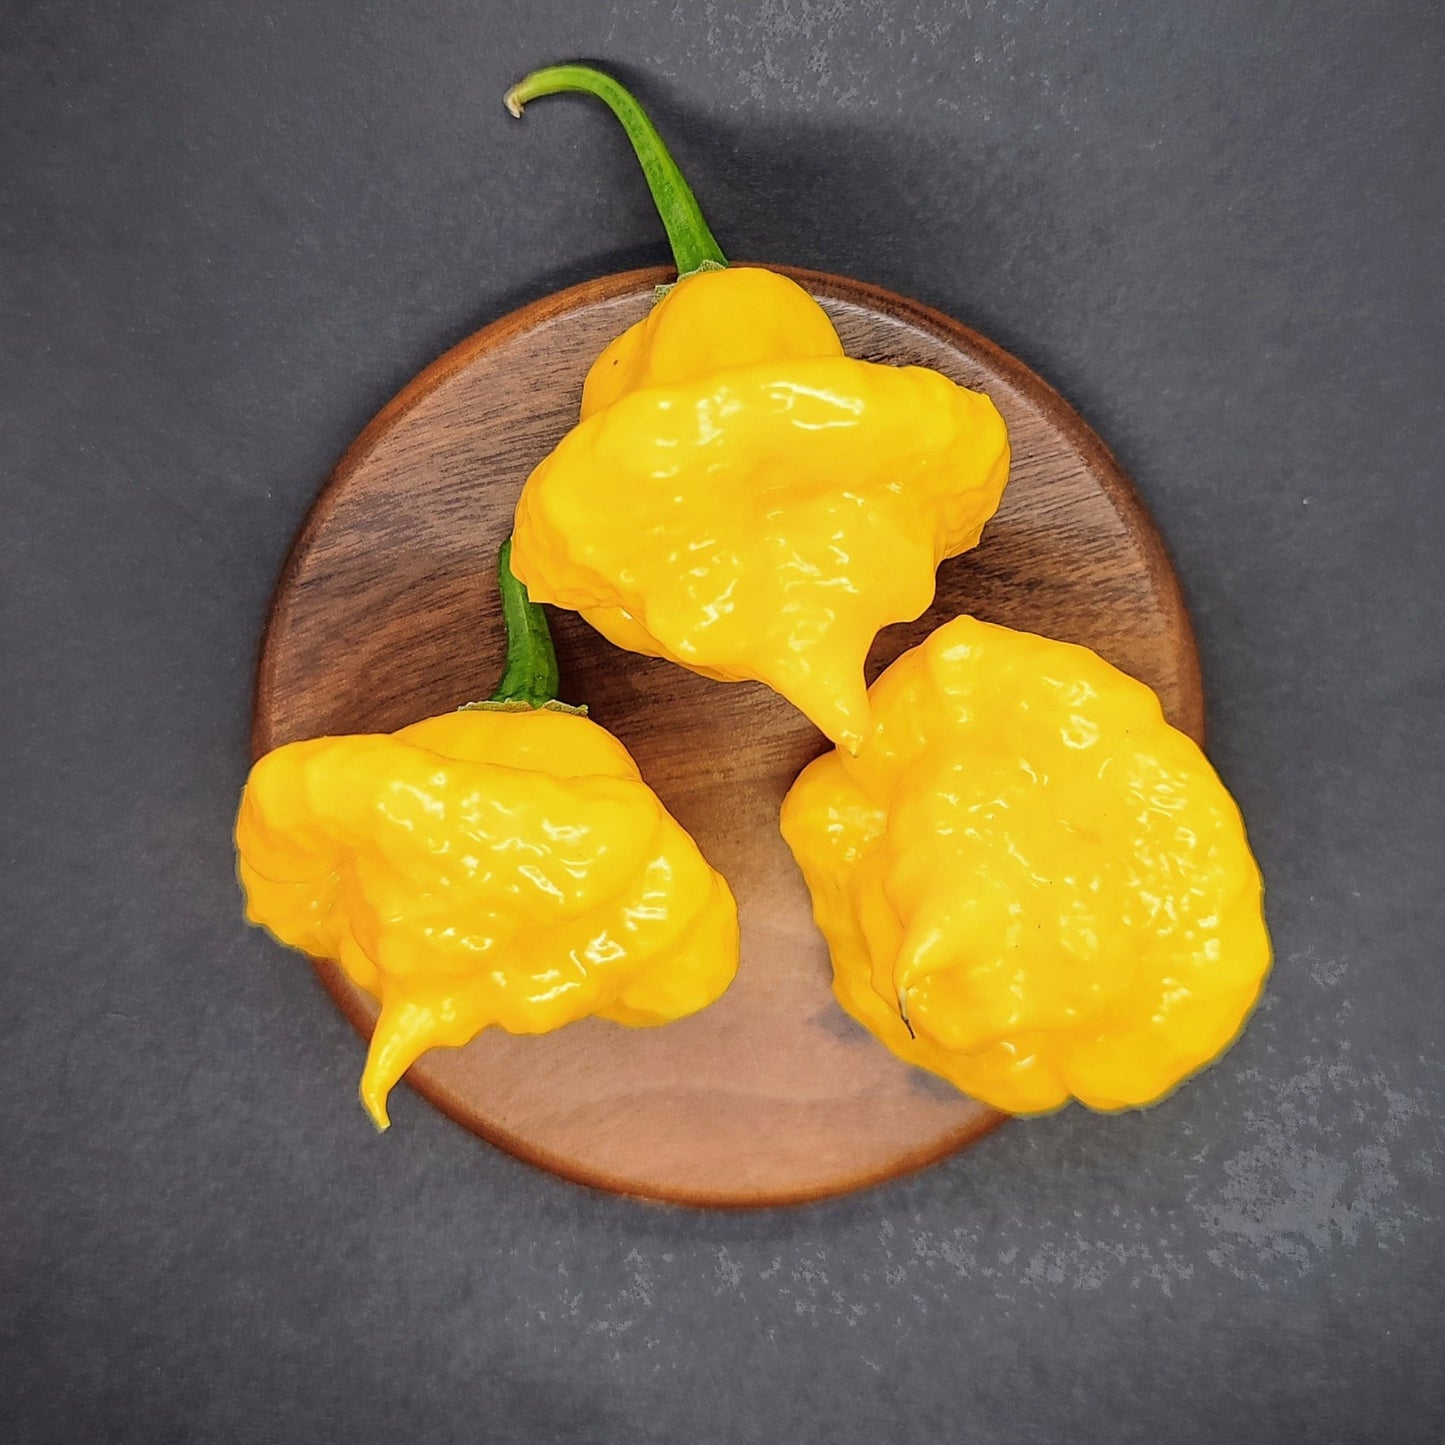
(229, 232)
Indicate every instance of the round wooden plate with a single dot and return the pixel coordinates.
(386, 612)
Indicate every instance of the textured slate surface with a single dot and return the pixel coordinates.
(228, 233)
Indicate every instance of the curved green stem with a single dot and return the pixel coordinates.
(530, 674)
(693, 246)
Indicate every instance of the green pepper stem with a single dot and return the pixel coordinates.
(530, 675)
(693, 246)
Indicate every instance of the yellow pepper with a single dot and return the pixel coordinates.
(1029, 882)
(500, 865)
(739, 496)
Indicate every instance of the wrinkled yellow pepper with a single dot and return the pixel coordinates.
(501, 865)
(739, 496)
(1029, 882)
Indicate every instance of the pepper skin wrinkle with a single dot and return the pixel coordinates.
(1030, 884)
(738, 496)
(503, 865)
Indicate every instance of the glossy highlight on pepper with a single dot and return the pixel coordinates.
(1029, 882)
(739, 496)
(502, 865)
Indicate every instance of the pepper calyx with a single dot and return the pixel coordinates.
(517, 704)
(658, 292)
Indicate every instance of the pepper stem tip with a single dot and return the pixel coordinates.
(694, 247)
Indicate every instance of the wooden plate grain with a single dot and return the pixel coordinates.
(386, 612)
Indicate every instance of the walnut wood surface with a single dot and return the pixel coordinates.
(386, 612)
